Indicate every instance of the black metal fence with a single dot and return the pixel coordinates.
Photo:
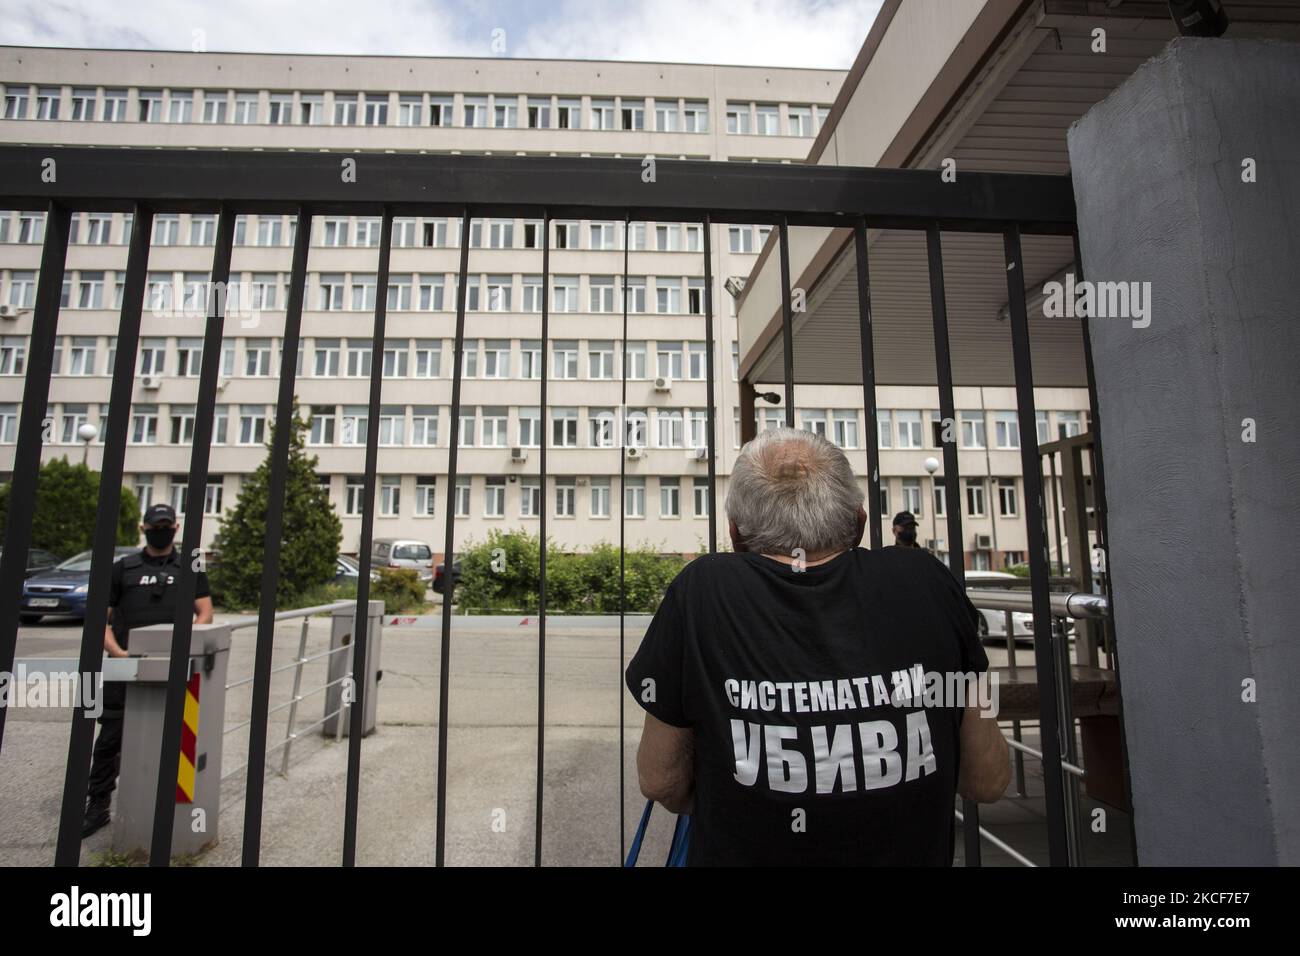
(149, 182)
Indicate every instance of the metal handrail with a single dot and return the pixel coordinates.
(1073, 605)
(297, 612)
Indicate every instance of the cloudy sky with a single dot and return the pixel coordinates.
(810, 33)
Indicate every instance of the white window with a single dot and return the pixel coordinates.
(311, 109)
(738, 118)
(252, 426)
(494, 498)
(428, 358)
(396, 354)
(1043, 429)
(322, 425)
(354, 425)
(468, 436)
(74, 416)
(670, 428)
(182, 422)
(1069, 424)
(81, 357)
(498, 293)
(696, 117)
(368, 232)
(189, 357)
(539, 112)
(9, 424)
(391, 425)
(801, 121)
(602, 294)
(700, 493)
(884, 429)
(636, 360)
(334, 232)
(180, 107)
(331, 292)
(769, 121)
(600, 497)
(846, 427)
(602, 427)
(530, 364)
(440, 110)
(144, 425)
(600, 360)
(668, 296)
(566, 493)
(634, 497)
(13, 353)
(356, 494)
(568, 113)
(668, 360)
(376, 109)
(975, 497)
(530, 427)
(909, 429)
(666, 117)
(245, 109)
(214, 107)
(496, 358)
(564, 357)
(152, 354)
(1008, 505)
(90, 290)
(476, 110)
(912, 496)
(670, 498)
(972, 430)
(1006, 429)
(150, 106)
(426, 495)
(635, 292)
(410, 111)
(326, 353)
(530, 498)
(16, 103)
(345, 109)
(280, 109)
(424, 425)
(632, 114)
(741, 238)
(462, 497)
(494, 428)
(813, 421)
(390, 496)
(564, 427)
(564, 294)
(358, 359)
(431, 293)
(505, 111)
(602, 114)
(363, 292)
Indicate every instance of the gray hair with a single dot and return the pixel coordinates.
(791, 488)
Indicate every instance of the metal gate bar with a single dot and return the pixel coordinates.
(541, 592)
(870, 430)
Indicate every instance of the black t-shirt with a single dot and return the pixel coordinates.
(789, 679)
(143, 591)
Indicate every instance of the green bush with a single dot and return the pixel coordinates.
(67, 497)
(504, 573)
(309, 546)
(400, 589)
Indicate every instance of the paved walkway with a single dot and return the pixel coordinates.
(491, 757)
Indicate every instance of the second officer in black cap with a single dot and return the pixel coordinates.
(905, 530)
(143, 592)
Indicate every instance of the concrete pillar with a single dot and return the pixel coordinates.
(1202, 452)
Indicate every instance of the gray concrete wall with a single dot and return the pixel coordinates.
(1205, 527)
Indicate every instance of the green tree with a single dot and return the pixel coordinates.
(67, 497)
(309, 547)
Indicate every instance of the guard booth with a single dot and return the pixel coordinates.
(198, 780)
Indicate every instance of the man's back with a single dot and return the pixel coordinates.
(790, 680)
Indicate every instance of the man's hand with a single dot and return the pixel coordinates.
(665, 765)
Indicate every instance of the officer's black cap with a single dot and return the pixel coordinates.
(904, 518)
(158, 514)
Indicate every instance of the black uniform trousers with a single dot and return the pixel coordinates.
(106, 758)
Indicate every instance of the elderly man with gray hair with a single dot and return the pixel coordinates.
(783, 683)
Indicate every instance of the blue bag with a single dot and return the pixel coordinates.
(676, 850)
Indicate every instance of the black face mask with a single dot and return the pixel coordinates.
(160, 538)
(907, 537)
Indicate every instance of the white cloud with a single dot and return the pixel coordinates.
(810, 33)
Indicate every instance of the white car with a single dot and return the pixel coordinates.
(994, 623)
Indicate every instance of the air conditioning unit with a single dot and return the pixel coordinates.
(518, 454)
(697, 454)
(151, 383)
(8, 312)
(634, 451)
(983, 542)
(663, 384)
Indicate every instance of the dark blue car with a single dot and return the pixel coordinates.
(60, 591)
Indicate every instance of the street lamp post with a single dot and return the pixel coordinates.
(931, 465)
(87, 433)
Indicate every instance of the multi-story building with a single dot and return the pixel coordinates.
(429, 105)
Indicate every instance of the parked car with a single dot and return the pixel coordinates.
(993, 624)
(38, 560)
(60, 591)
(439, 573)
(403, 553)
(349, 570)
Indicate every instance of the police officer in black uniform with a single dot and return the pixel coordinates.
(143, 592)
(905, 530)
